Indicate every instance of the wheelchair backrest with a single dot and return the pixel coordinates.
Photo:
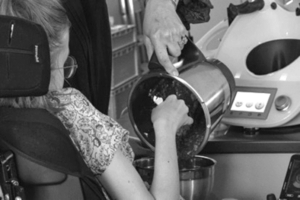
(48, 164)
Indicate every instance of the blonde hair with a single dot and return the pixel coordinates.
(51, 15)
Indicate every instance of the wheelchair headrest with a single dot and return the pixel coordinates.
(24, 58)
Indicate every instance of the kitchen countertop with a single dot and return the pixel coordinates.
(239, 140)
(249, 166)
(252, 165)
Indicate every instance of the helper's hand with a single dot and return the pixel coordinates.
(164, 32)
(171, 114)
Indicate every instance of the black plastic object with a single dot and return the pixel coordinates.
(291, 185)
(272, 56)
(271, 197)
(244, 8)
(9, 180)
(24, 58)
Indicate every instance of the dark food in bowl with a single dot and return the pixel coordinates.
(189, 138)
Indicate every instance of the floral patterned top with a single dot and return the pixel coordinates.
(96, 136)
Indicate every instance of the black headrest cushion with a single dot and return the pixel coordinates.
(24, 58)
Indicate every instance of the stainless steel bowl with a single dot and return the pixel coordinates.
(196, 176)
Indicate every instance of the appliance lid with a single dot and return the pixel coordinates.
(272, 56)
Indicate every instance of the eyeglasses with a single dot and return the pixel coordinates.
(70, 67)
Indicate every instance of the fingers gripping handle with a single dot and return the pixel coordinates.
(189, 55)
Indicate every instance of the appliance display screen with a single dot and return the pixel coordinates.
(250, 102)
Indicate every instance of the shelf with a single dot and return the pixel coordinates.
(122, 35)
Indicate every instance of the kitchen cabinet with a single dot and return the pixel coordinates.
(125, 56)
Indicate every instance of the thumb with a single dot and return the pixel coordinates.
(148, 46)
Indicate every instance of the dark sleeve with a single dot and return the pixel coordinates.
(90, 44)
(194, 11)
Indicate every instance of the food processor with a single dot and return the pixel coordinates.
(260, 44)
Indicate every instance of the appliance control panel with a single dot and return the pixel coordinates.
(250, 102)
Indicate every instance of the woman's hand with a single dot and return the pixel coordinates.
(167, 117)
(164, 32)
(171, 114)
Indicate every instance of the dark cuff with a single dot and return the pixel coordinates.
(194, 11)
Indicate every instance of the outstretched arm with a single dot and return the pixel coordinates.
(165, 26)
(164, 32)
(122, 180)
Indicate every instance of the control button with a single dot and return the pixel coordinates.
(273, 5)
(282, 103)
(259, 106)
(238, 104)
(249, 104)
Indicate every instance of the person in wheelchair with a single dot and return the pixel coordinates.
(100, 140)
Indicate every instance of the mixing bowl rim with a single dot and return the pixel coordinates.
(213, 163)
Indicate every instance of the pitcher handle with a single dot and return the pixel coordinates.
(190, 54)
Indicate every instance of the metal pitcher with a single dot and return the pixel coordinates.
(206, 86)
